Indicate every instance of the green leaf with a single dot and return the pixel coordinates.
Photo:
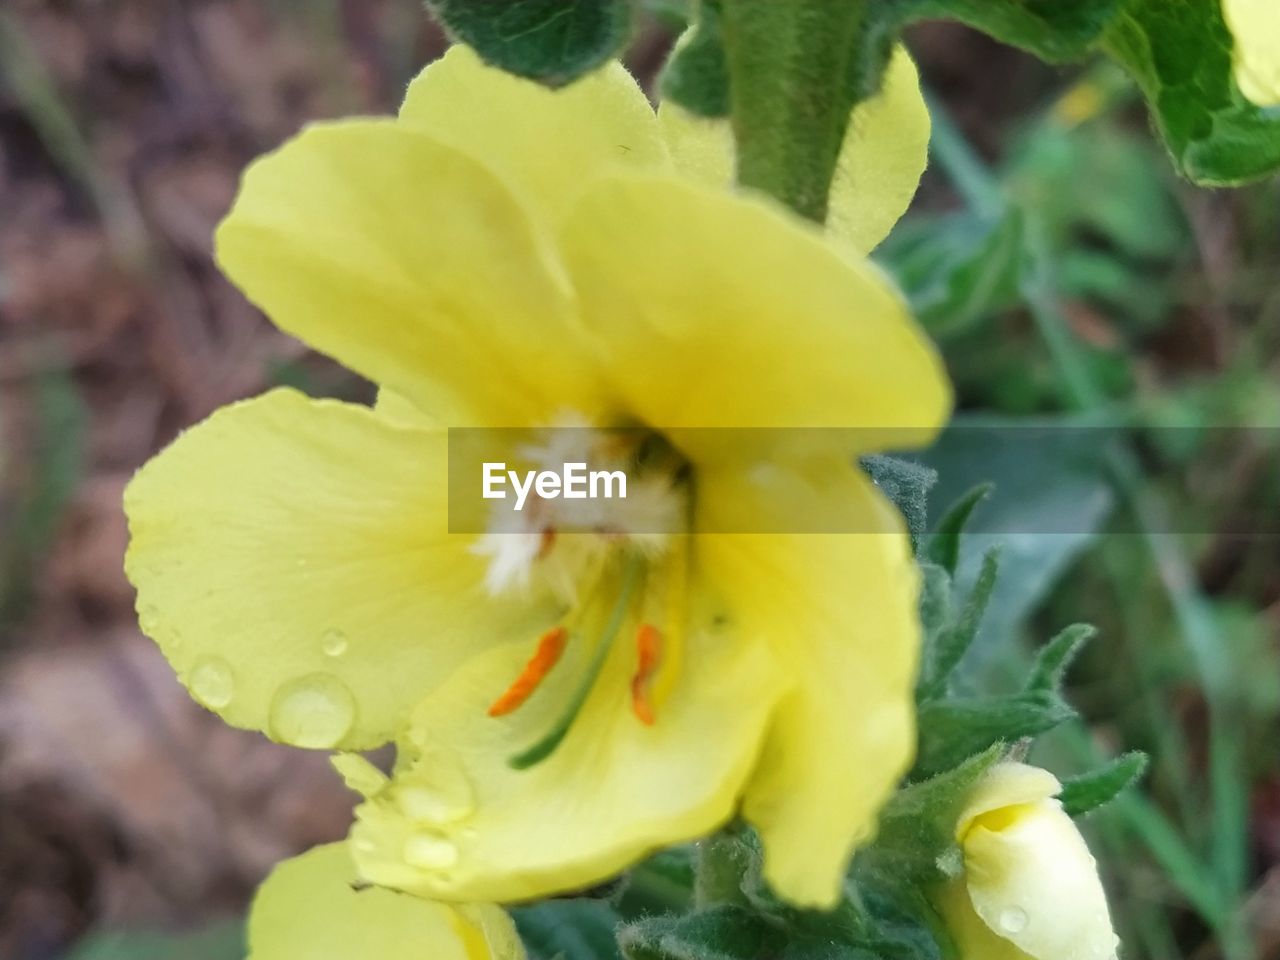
(719, 933)
(957, 270)
(953, 730)
(580, 929)
(907, 484)
(1053, 30)
(551, 41)
(676, 14)
(943, 545)
(1056, 656)
(946, 648)
(697, 77)
(1179, 51)
(1087, 792)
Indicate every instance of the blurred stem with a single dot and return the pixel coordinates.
(721, 865)
(1191, 610)
(791, 94)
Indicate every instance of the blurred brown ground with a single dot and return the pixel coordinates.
(123, 129)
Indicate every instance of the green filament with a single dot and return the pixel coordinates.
(547, 745)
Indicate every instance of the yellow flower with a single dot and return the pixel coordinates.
(312, 908)
(1255, 26)
(1030, 887)
(505, 256)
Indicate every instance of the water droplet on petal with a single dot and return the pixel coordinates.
(1013, 920)
(426, 805)
(212, 683)
(438, 791)
(430, 851)
(334, 643)
(315, 711)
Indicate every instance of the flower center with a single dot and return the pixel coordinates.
(630, 560)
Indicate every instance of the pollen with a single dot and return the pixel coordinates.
(649, 654)
(550, 646)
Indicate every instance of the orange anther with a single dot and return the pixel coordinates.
(649, 649)
(550, 647)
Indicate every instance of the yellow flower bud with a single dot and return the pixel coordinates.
(1030, 887)
(1255, 25)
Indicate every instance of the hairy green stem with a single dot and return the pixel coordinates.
(790, 93)
(721, 865)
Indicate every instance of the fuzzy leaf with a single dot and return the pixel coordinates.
(1087, 792)
(1180, 53)
(696, 76)
(953, 730)
(551, 41)
(719, 933)
(1051, 29)
(1056, 656)
(580, 929)
(946, 648)
(907, 484)
(935, 599)
(943, 545)
(917, 826)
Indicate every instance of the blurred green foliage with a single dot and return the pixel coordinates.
(220, 941)
(50, 476)
(1064, 293)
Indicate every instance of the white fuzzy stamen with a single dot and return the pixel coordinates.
(561, 540)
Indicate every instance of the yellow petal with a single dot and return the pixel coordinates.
(291, 559)
(457, 822)
(722, 311)
(1006, 785)
(972, 938)
(400, 409)
(414, 265)
(548, 143)
(840, 613)
(881, 161)
(310, 909)
(1255, 25)
(1032, 880)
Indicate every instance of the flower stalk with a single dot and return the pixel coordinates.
(791, 92)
